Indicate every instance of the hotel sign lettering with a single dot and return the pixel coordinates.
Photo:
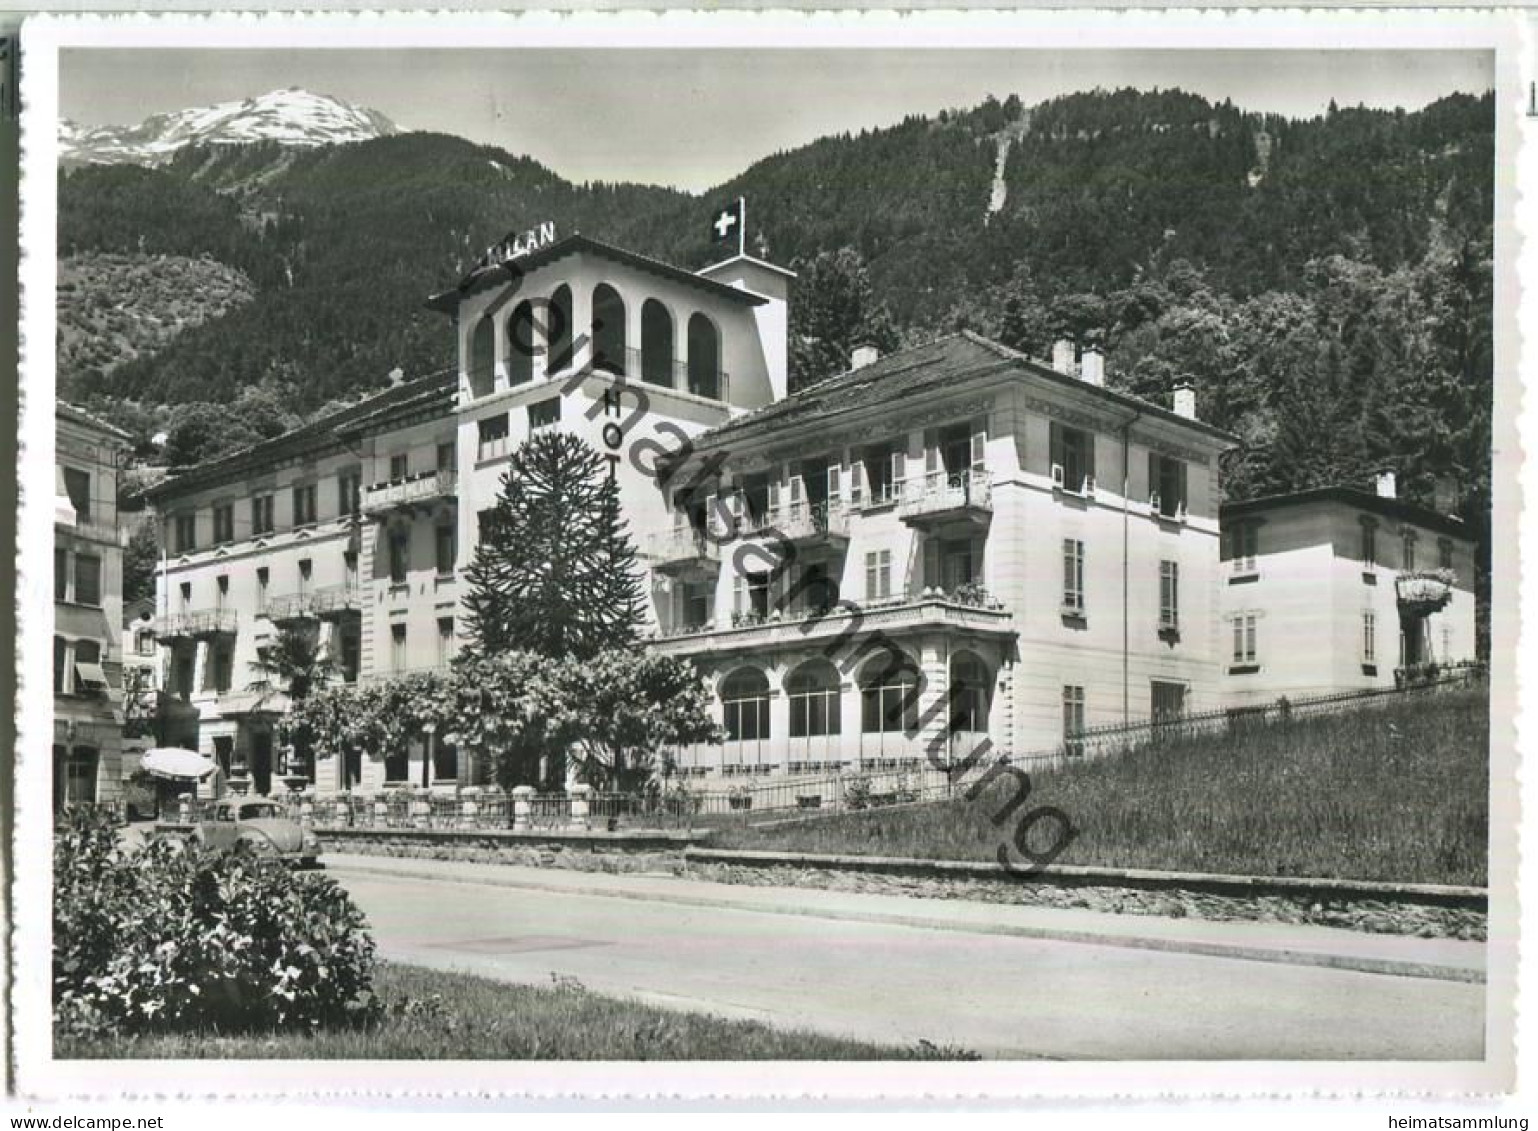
(518, 244)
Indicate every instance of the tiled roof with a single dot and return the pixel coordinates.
(81, 416)
(318, 433)
(483, 277)
(1401, 509)
(917, 372)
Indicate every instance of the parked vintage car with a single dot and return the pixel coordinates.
(261, 823)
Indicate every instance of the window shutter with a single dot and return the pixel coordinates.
(1056, 445)
(980, 447)
(797, 494)
(774, 500)
(835, 493)
(931, 452)
(856, 482)
(899, 470)
(712, 520)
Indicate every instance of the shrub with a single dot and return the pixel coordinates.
(177, 936)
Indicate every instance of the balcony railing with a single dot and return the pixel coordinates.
(415, 490)
(811, 523)
(941, 495)
(323, 604)
(969, 608)
(678, 549)
(195, 625)
(631, 364)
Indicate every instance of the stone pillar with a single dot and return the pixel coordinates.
(580, 795)
(469, 807)
(849, 723)
(523, 806)
(779, 727)
(934, 662)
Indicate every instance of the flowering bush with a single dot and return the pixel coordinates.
(177, 936)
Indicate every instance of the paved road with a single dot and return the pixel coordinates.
(894, 982)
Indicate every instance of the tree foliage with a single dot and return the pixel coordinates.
(555, 571)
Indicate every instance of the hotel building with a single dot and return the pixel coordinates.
(1326, 591)
(1015, 530)
(87, 609)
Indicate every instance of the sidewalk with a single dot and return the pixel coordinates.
(1453, 960)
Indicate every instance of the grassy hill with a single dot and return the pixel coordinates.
(1383, 793)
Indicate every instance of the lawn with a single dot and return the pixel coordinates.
(431, 1015)
(1395, 792)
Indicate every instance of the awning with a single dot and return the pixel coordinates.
(176, 763)
(90, 674)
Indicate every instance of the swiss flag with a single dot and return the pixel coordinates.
(726, 224)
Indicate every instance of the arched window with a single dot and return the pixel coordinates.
(889, 695)
(608, 330)
(745, 705)
(520, 344)
(483, 360)
(969, 694)
(704, 358)
(656, 343)
(558, 329)
(813, 692)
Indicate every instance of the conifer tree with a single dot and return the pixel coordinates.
(555, 572)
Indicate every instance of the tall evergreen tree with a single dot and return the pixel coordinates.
(555, 572)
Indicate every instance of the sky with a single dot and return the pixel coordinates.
(692, 119)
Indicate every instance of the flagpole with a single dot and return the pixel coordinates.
(742, 226)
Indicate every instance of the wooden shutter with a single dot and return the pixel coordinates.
(899, 471)
(931, 453)
(835, 492)
(980, 446)
(856, 481)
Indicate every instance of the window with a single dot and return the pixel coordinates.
(222, 586)
(350, 569)
(813, 692)
(77, 484)
(750, 594)
(398, 647)
(704, 360)
(1169, 595)
(959, 564)
(878, 575)
(889, 697)
(186, 533)
(1409, 549)
(656, 343)
(261, 514)
(1073, 717)
(482, 361)
(1369, 543)
(1166, 485)
(185, 591)
(352, 647)
(400, 466)
(60, 574)
(483, 524)
(558, 330)
(304, 504)
(543, 414)
(1445, 553)
(1369, 638)
(87, 579)
(349, 493)
(1244, 641)
(400, 555)
(1243, 548)
(306, 573)
(520, 344)
(144, 643)
(221, 667)
(1073, 450)
(445, 640)
(60, 659)
(885, 467)
(263, 576)
(447, 456)
(89, 677)
(608, 335)
(492, 436)
(745, 705)
(224, 523)
(1073, 576)
(444, 549)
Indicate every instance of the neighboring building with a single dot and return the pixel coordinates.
(1043, 544)
(313, 527)
(88, 609)
(141, 680)
(1326, 591)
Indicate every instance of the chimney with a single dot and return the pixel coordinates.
(1092, 367)
(1185, 400)
(1386, 485)
(1062, 356)
(863, 355)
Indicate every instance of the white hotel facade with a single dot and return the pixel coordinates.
(1045, 545)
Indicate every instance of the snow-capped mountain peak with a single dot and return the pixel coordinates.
(291, 117)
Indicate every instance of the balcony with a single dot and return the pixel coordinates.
(199, 625)
(942, 499)
(968, 611)
(107, 533)
(419, 490)
(664, 372)
(682, 552)
(1423, 592)
(331, 603)
(813, 526)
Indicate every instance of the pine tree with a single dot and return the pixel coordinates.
(555, 573)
